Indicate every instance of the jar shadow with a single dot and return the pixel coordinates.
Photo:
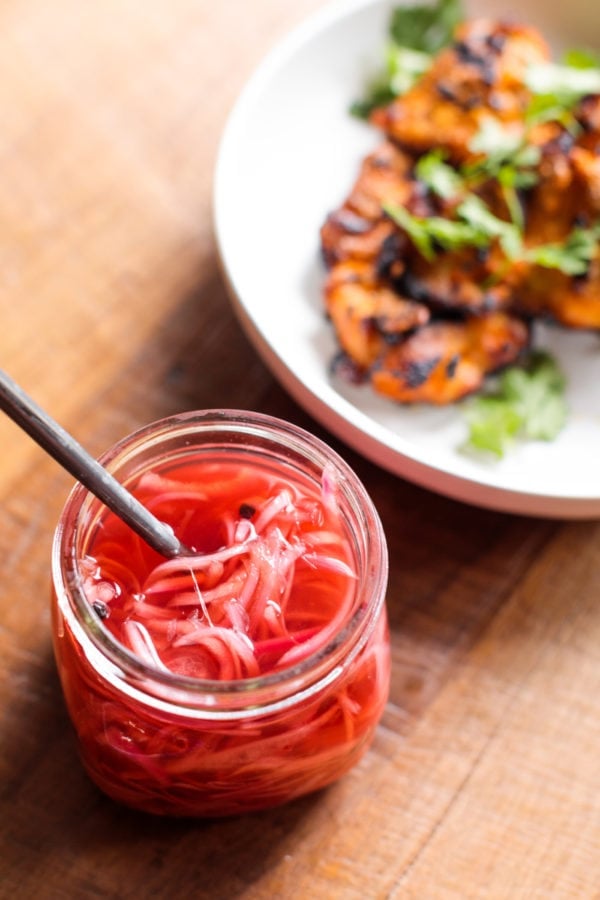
(59, 820)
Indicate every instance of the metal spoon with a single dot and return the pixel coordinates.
(72, 457)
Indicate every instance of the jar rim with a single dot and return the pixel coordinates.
(68, 581)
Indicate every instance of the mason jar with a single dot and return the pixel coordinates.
(191, 691)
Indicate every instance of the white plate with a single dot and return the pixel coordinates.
(288, 156)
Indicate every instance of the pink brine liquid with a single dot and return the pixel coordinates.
(272, 581)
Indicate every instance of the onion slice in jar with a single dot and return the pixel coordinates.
(275, 592)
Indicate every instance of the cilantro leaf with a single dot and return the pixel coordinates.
(474, 211)
(578, 58)
(441, 178)
(558, 88)
(527, 403)
(402, 68)
(426, 28)
(495, 141)
(537, 397)
(506, 154)
(475, 226)
(379, 93)
(573, 257)
(508, 158)
(416, 228)
(431, 233)
(415, 33)
(565, 83)
(548, 108)
(492, 423)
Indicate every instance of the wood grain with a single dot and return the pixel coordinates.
(484, 777)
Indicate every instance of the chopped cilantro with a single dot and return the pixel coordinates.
(527, 403)
(509, 181)
(428, 28)
(434, 232)
(566, 84)
(475, 226)
(548, 108)
(378, 93)
(581, 59)
(493, 423)
(415, 33)
(573, 257)
(441, 179)
(474, 211)
(405, 66)
(511, 161)
(402, 68)
(506, 155)
(557, 88)
(495, 141)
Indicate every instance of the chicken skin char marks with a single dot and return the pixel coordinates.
(567, 196)
(426, 328)
(481, 75)
(446, 361)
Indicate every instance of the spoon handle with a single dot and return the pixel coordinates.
(72, 457)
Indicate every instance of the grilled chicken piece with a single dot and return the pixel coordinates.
(366, 314)
(554, 203)
(465, 280)
(358, 229)
(346, 236)
(571, 301)
(588, 116)
(445, 361)
(586, 175)
(462, 281)
(385, 175)
(567, 197)
(480, 75)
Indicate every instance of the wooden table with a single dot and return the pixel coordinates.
(484, 777)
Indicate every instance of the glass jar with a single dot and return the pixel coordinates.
(172, 743)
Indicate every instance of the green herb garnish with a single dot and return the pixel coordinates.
(526, 403)
(573, 257)
(567, 84)
(509, 159)
(503, 152)
(496, 142)
(557, 88)
(442, 179)
(474, 211)
(548, 108)
(402, 68)
(427, 28)
(578, 58)
(434, 232)
(475, 226)
(416, 33)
